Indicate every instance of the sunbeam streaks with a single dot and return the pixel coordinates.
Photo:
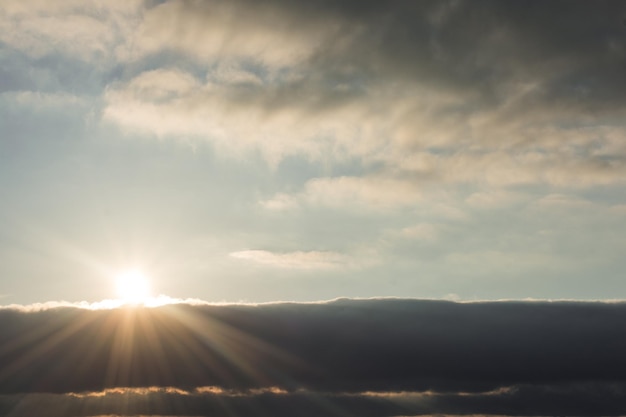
(376, 357)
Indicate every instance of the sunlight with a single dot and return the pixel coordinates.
(132, 287)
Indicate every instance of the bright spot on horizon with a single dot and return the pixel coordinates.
(132, 286)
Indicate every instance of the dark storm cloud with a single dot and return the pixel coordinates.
(341, 346)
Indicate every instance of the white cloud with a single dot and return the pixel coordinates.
(108, 304)
(86, 30)
(295, 260)
(421, 231)
(36, 99)
(231, 30)
(494, 199)
(376, 193)
(238, 115)
(280, 201)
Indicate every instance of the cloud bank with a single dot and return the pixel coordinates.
(365, 357)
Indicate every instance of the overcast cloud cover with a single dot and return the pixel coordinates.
(377, 357)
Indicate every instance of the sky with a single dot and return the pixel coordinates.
(292, 150)
(331, 207)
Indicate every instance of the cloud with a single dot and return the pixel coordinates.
(378, 357)
(295, 260)
(452, 92)
(376, 193)
(344, 346)
(445, 92)
(269, 33)
(44, 101)
(108, 304)
(87, 31)
(421, 231)
(568, 399)
(239, 111)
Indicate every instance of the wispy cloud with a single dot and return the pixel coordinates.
(87, 31)
(108, 304)
(295, 260)
(360, 193)
(307, 80)
(603, 399)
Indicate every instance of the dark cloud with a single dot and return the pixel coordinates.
(599, 399)
(575, 49)
(474, 87)
(483, 45)
(465, 355)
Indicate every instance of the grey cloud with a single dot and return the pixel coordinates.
(489, 45)
(480, 47)
(457, 74)
(488, 92)
(542, 349)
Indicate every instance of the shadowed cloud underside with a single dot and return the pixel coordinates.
(370, 357)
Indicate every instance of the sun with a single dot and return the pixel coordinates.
(132, 286)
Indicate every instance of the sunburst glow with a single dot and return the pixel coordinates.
(132, 286)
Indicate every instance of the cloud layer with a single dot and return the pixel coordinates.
(379, 355)
(436, 91)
